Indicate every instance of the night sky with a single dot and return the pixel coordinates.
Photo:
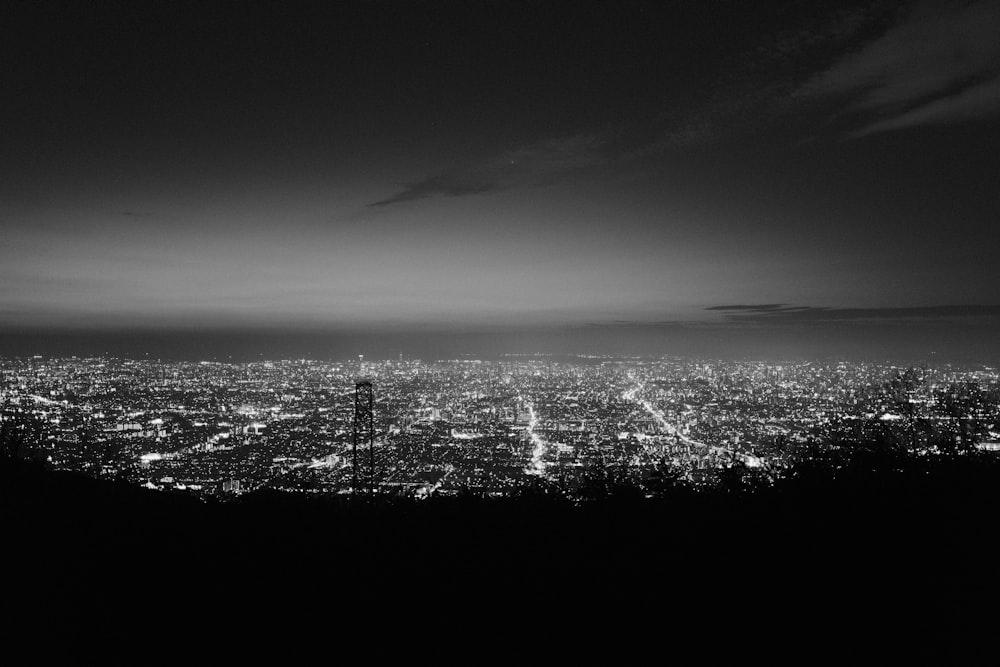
(435, 178)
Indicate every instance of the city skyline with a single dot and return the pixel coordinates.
(446, 178)
(419, 429)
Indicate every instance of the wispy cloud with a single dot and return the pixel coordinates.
(757, 308)
(780, 315)
(940, 63)
(527, 166)
(783, 314)
(931, 62)
(977, 101)
(759, 87)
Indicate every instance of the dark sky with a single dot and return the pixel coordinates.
(620, 175)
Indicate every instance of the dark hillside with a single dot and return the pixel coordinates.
(890, 558)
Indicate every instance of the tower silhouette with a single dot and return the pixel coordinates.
(364, 429)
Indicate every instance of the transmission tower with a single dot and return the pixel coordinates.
(364, 429)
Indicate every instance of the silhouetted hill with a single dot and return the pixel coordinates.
(887, 558)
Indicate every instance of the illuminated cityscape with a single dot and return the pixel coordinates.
(488, 427)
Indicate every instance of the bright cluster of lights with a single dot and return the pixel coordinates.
(537, 464)
(670, 429)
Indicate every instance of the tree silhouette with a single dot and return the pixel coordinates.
(16, 431)
(11, 440)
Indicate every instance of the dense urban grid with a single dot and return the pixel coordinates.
(481, 426)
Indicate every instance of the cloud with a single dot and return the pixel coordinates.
(535, 165)
(755, 308)
(974, 102)
(449, 184)
(758, 87)
(742, 317)
(782, 314)
(939, 64)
